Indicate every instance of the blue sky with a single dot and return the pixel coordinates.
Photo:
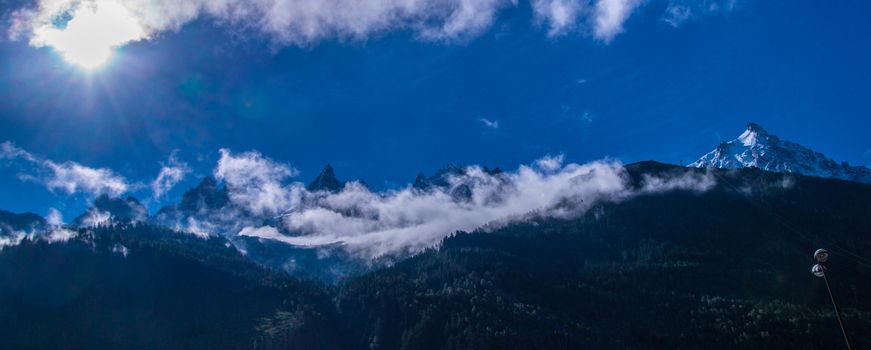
(393, 96)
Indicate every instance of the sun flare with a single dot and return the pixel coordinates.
(94, 30)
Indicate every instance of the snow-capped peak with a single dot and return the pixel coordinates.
(748, 138)
(755, 147)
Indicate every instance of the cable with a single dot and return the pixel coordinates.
(808, 237)
(837, 312)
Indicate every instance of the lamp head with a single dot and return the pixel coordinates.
(818, 270)
(821, 255)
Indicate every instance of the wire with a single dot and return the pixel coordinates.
(837, 312)
(807, 236)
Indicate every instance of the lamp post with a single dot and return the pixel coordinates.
(819, 270)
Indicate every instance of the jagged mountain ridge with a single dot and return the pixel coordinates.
(441, 180)
(26, 222)
(206, 210)
(442, 176)
(757, 148)
(207, 196)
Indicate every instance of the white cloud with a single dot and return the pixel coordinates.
(371, 225)
(604, 19)
(11, 239)
(689, 181)
(94, 29)
(69, 177)
(266, 232)
(492, 124)
(676, 14)
(550, 163)
(466, 18)
(54, 217)
(60, 235)
(94, 218)
(266, 204)
(199, 228)
(297, 22)
(171, 173)
(680, 11)
(72, 177)
(257, 183)
(79, 27)
(8, 150)
(609, 17)
(787, 182)
(561, 16)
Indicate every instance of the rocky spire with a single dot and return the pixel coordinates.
(326, 181)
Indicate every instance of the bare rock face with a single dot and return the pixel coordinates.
(106, 209)
(326, 181)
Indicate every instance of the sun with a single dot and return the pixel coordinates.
(94, 30)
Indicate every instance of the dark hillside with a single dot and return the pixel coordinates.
(135, 286)
(725, 269)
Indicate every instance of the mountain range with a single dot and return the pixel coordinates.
(207, 209)
(725, 265)
(209, 202)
